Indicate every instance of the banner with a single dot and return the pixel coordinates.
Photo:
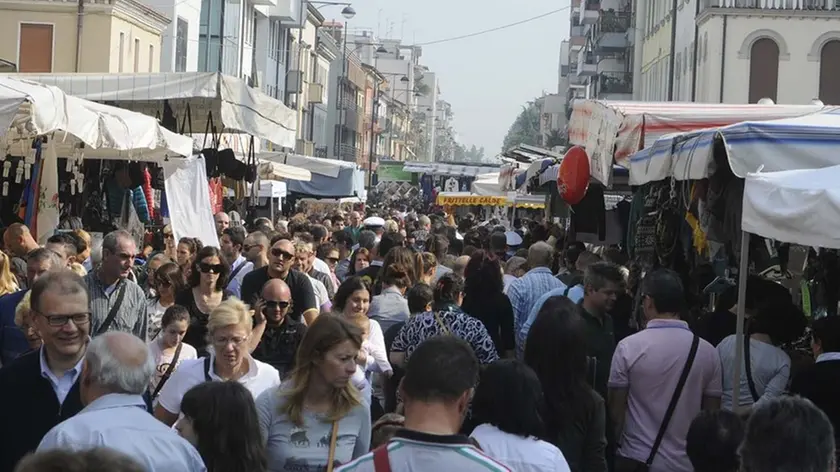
(470, 200)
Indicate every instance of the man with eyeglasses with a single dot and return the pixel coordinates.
(116, 302)
(281, 259)
(41, 388)
(282, 334)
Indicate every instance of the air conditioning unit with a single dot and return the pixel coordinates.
(294, 81)
(316, 93)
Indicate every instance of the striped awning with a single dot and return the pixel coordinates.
(447, 170)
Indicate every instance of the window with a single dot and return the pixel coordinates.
(151, 58)
(829, 91)
(181, 41)
(273, 39)
(764, 70)
(136, 55)
(35, 48)
(122, 53)
(250, 24)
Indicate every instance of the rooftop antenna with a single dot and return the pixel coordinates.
(379, 24)
(402, 27)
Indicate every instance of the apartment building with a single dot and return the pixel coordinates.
(104, 36)
(740, 51)
(597, 60)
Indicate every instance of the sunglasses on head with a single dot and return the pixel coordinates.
(210, 268)
(277, 252)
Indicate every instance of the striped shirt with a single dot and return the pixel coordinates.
(524, 293)
(416, 451)
(131, 315)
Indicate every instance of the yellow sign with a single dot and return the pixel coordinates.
(470, 200)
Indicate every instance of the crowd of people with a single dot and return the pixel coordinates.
(396, 341)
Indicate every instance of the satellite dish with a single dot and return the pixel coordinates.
(766, 101)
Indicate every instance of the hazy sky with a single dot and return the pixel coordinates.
(486, 78)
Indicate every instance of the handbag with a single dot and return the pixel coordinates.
(381, 463)
(624, 464)
(331, 456)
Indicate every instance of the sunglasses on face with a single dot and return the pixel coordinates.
(167, 235)
(277, 252)
(210, 268)
(276, 305)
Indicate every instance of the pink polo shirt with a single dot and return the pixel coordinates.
(649, 364)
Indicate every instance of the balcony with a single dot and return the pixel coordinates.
(611, 84)
(612, 64)
(349, 118)
(788, 5)
(349, 153)
(576, 43)
(320, 151)
(587, 66)
(610, 32)
(589, 12)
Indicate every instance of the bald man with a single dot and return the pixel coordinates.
(19, 242)
(282, 334)
(116, 371)
(222, 222)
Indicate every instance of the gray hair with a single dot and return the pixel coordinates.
(112, 240)
(160, 256)
(788, 434)
(367, 239)
(113, 373)
(63, 281)
(43, 254)
(540, 254)
(424, 220)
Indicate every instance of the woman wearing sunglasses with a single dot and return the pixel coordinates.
(205, 292)
(167, 281)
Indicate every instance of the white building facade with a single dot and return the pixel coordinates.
(179, 41)
(785, 50)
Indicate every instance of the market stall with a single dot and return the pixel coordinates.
(613, 131)
(39, 122)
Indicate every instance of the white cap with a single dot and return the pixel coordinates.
(513, 238)
(373, 222)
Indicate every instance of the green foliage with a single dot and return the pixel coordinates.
(525, 129)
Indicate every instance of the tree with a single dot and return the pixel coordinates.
(556, 138)
(475, 153)
(525, 129)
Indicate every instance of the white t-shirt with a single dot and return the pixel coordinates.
(154, 310)
(321, 266)
(162, 360)
(518, 453)
(322, 297)
(260, 377)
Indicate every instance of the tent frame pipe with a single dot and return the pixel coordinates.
(739, 326)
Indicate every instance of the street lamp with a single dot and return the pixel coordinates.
(348, 12)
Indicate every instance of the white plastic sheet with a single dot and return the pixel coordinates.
(188, 199)
(796, 206)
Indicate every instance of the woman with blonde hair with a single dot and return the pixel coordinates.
(302, 420)
(425, 267)
(229, 329)
(23, 320)
(8, 281)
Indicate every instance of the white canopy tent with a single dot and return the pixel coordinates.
(195, 98)
(315, 165)
(29, 110)
(794, 206)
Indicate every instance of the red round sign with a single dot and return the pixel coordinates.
(573, 177)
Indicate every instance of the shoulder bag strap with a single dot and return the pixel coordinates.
(381, 463)
(566, 292)
(235, 271)
(674, 400)
(440, 323)
(207, 369)
(112, 314)
(333, 437)
(748, 372)
(169, 370)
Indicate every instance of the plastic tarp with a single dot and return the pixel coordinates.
(613, 131)
(805, 142)
(28, 109)
(795, 206)
(315, 165)
(447, 170)
(275, 171)
(188, 200)
(349, 182)
(194, 98)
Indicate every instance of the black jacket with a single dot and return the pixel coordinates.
(29, 408)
